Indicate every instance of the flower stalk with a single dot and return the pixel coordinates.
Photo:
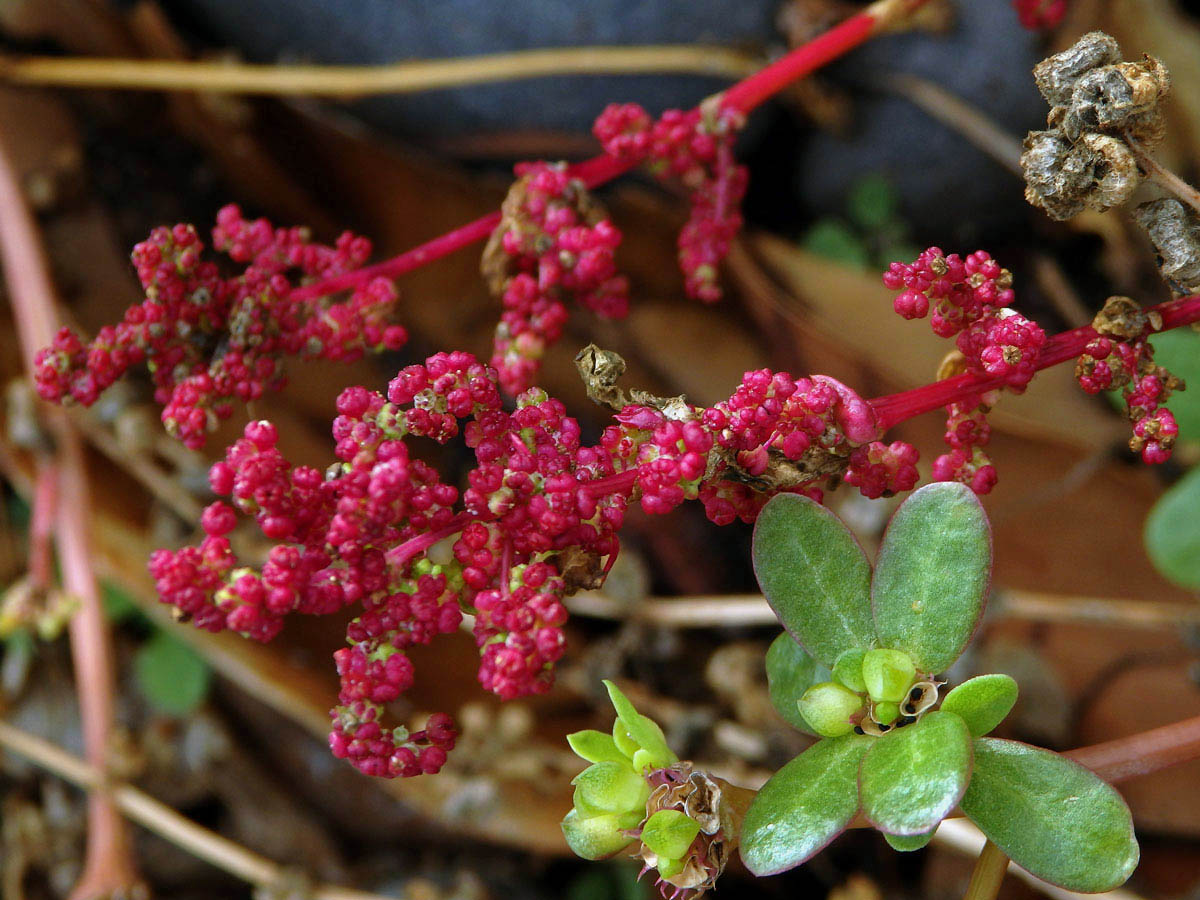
(742, 98)
(108, 862)
(892, 409)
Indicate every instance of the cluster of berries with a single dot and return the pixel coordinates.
(553, 243)
(538, 519)
(970, 301)
(967, 433)
(208, 339)
(1121, 356)
(695, 147)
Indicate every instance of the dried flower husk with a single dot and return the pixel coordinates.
(1056, 178)
(1175, 232)
(716, 805)
(497, 266)
(1056, 75)
(1063, 177)
(1115, 170)
(1117, 98)
(1097, 104)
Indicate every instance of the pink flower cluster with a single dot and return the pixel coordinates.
(1038, 15)
(782, 432)
(1109, 363)
(553, 244)
(209, 340)
(883, 470)
(695, 147)
(537, 519)
(969, 299)
(967, 433)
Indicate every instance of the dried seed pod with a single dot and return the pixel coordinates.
(1119, 97)
(1063, 177)
(1175, 232)
(1121, 317)
(1056, 75)
(1056, 178)
(1115, 170)
(921, 697)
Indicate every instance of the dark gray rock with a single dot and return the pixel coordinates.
(949, 188)
(377, 31)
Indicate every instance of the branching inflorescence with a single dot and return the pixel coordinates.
(208, 339)
(539, 514)
(554, 241)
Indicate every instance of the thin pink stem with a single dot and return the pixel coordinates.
(405, 262)
(804, 60)
(41, 524)
(742, 97)
(1143, 753)
(108, 863)
(621, 483)
(896, 408)
(402, 553)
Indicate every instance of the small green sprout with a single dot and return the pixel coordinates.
(684, 823)
(858, 666)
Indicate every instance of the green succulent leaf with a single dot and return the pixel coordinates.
(982, 702)
(598, 837)
(172, 676)
(1051, 816)
(611, 787)
(931, 575)
(643, 730)
(1172, 534)
(803, 806)
(791, 672)
(814, 575)
(669, 833)
(906, 843)
(848, 670)
(627, 745)
(913, 777)
(596, 746)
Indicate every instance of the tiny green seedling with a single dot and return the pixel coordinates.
(859, 667)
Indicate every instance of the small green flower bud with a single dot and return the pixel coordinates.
(669, 833)
(610, 787)
(597, 837)
(848, 670)
(887, 712)
(622, 739)
(827, 707)
(888, 674)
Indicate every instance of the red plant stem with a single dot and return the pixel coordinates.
(621, 483)
(41, 524)
(1142, 753)
(896, 408)
(402, 553)
(405, 262)
(108, 863)
(741, 97)
(750, 92)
